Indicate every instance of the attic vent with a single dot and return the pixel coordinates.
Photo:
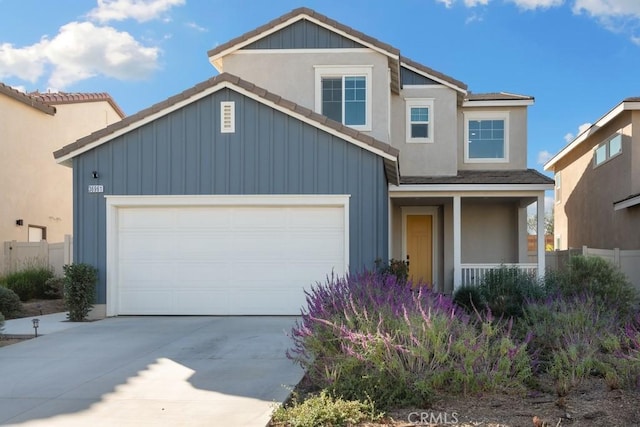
(227, 117)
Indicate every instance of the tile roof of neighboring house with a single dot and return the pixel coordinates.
(433, 72)
(57, 98)
(497, 96)
(632, 99)
(391, 167)
(26, 99)
(525, 176)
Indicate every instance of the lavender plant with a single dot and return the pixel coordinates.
(369, 336)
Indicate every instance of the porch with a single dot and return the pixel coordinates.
(452, 235)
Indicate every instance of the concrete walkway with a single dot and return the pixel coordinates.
(49, 323)
(147, 371)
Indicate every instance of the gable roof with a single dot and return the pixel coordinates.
(26, 99)
(631, 103)
(434, 75)
(387, 152)
(296, 15)
(58, 98)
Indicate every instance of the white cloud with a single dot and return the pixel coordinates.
(569, 137)
(583, 127)
(447, 3)
(140, 10)
(26, 63)
(537, 4)
(544, 156)
(474, 3)
(79, 51)
(82, 50)
(600, 8)
(196, 27)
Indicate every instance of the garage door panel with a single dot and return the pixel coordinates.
(225, 259)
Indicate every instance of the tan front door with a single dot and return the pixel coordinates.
(420, 248)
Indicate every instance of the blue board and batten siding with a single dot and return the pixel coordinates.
(184, 153)
(304, 35)
(408, 77)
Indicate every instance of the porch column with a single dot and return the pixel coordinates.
(523, 235)
(457, 244)
(541, 239)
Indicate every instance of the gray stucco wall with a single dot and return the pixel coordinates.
(292, 76)
(517, 149)
(270, 153)
(426, 159)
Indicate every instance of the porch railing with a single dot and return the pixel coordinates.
(472, 274)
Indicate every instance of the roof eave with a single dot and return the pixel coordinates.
(603, 121)
(499, 103)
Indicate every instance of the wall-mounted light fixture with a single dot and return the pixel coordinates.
(95, 175)
(19, 222)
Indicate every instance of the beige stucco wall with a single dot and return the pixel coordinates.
(292, 76)
(584, 215)
(426, 159)
(34, 187)
(517, 149)
(489, 231)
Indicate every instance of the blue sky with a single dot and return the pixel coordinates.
(579, 58)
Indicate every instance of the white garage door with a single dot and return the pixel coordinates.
(223, 259)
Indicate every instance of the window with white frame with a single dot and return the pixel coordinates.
(486, 137)
(344, 95)
(558, 187)
(608, 149)
(419, 120)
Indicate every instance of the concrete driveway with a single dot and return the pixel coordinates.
(133, 371)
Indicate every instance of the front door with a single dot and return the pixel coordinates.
(420, 248)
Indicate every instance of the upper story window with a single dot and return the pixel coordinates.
(558, 187)
(486, 137)
(608, 149)
(344, 95)
(419, 120)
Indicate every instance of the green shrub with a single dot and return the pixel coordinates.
(10, 304)
(508, 289)
(470, 298)
(396, 267)
(79, 290)
(54, 287)
(597, 277)
(29, 282)
(324, 410)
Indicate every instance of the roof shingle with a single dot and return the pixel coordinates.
(26, 99)
(524, 176)
(57, 98)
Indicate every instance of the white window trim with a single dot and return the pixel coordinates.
(557, 194)
(419, 102)
(342, 71)
(486, 115)
(608, 156)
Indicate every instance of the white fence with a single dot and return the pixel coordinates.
(21, 254)
(473, 274)
(628, 261)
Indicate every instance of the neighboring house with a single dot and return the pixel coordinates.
(36, 192)
(597, 193)
(318, 149)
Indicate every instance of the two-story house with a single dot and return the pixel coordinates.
(36, 192)
(597, 183)
(317, 149)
